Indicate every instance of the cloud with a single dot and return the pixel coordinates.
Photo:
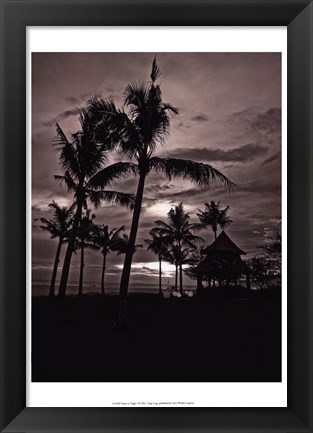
(200, 118)
(64, 115)
(270, 188)
(271, 159)
(241, 113)
(183, 125)
(269, 121)
(74, 100)
(252, 122)
(157, 188)
(183, 194)
(245, 153)
(37, 207)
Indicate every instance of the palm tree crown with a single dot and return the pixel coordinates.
(83, 160)
(213, 215)
(178, 229)
(59, 226)
(109, 240)
(156, 244)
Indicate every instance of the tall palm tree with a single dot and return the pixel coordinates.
(178, 231)
(58, 227)
(109, 241)
(82, 160)
(85, 239)
(213, 215)
(138, 132)
(176, 256)
(157, 245)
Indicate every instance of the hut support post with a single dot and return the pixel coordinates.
(248, 281)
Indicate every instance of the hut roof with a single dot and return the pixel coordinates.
(215, 265)
(224, 243)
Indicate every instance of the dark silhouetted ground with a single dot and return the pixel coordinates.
(201, 339)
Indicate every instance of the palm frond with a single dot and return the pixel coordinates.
(114, 126)
(114, 233)
(100, 108)
(155, 71)
(68, 180)
(51, 227)
(112, 173)
(197, 172)
(119, 245)
(192, 244)
(113, 197)
(122, 245)
(197, 226)
(68, 153)
(135, 94)
(91, 246)
(160, 224)
(71, 209)
(60, 140)
(170, 108)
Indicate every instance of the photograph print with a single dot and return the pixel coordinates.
(156, 217)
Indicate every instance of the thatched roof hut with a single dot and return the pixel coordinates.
(223, 243)
(223, 260)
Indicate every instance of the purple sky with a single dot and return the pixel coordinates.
(230, 117)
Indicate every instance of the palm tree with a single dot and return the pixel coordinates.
(85, 239)
(108, 241)
(175, 257)
(157, 245)
(59, 227)
(214, 216)
(82, 160)
(178, 231)
(138, 133)
(194, 259)
(123, 245)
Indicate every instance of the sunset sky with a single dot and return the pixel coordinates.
(230, 117)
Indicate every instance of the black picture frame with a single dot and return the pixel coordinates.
(15, 17)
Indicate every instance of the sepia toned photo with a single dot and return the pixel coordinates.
(156, 217)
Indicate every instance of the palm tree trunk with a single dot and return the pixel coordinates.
(160, 276)
(181, 278)
(180, 269)
(55, 268)
(81, 272)
(103, 272)
(176, 277)
(69, 251)
(130, 251)
(132, 237)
